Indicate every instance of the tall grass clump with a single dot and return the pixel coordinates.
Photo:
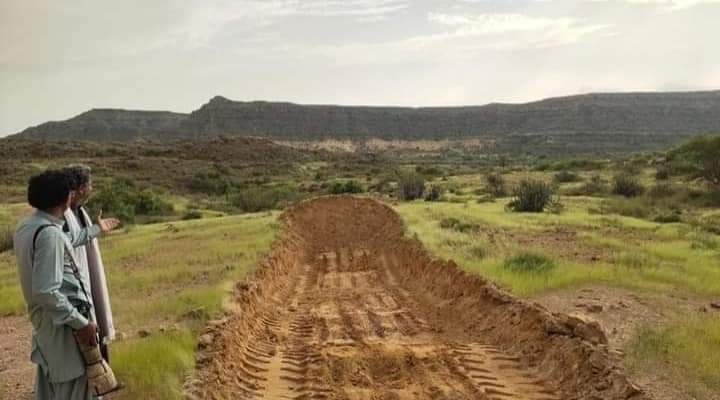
(627, 185)
(566, 177)
(154, 367)
(532, 196)
(458, 226)
(6, 239)
(529, 263)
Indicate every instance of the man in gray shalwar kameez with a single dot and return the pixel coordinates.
(54, 297)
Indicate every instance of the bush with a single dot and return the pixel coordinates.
(627, 185)
(192, 214)
(125, 201)
(701, 156)
(529, 262)
(531, 196)
(212, 183)
(411, 186)
(350, 186)
(662, 173)
(565, 177)
(261, 199)
(148, 202)
(667, 216)
(433, 194)
(117, 199)
(496, 185)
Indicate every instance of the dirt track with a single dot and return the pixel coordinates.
(345, 307)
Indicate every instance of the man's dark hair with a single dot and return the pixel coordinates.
(49, 189)
(79, 175)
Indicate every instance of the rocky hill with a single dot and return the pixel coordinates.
(635, 117)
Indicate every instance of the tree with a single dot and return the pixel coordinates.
(702, 155)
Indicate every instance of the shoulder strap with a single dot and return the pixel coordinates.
(37, 233)
(73, 264)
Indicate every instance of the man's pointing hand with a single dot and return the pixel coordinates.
(107, 224)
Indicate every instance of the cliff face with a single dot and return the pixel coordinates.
(631, 114)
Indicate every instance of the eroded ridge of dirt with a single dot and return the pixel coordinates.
(345, 307)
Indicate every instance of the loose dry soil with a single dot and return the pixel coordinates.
(346, 307)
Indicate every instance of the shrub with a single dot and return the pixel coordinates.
(627, 185)
(117, 199)
(667, 216)
(433, 194)
(261, 198)
(566, 176)
(496, 185)
(411, 186)
(350, 186)
(701, 155)
(662, 173)
(212, 183)
(192, 214)
(529, 262)
(148, 202)
(125, 201)
(531, 196)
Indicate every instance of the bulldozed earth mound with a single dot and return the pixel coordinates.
(346, 307)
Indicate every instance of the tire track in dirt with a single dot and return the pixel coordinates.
(346, 308)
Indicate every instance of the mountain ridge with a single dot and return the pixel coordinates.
(601, 114)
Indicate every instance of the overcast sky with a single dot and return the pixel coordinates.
(60, 58)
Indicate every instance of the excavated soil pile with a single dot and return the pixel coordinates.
(346, 307)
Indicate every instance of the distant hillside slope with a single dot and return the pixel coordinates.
(632, 114)
(107, 125)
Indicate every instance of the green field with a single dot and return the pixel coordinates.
(166, 281)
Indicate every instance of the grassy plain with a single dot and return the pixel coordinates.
(166, 280)
(169, 277)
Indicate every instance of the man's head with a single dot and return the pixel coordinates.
(50, 190)
(81, 183)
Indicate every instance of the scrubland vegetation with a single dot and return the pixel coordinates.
(533, 225)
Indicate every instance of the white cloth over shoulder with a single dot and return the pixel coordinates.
(89, 257)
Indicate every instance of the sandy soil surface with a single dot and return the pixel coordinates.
(16, 370)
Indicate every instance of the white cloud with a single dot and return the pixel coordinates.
(668, 5)
(513, 31)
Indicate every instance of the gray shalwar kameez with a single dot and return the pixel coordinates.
(52, 293)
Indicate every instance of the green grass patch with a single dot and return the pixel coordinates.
(686, 351)
(529, 263)
(154, 367)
